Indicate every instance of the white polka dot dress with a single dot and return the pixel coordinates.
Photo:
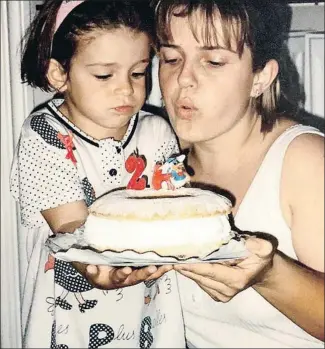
(57, 163)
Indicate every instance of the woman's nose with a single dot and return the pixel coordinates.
(186, 77)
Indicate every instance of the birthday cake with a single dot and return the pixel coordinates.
(166, 219)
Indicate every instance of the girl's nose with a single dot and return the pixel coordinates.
(124, 87)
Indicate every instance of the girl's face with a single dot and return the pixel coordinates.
(206, 89)
(106, 83)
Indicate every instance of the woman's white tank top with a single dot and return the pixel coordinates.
(248, 320)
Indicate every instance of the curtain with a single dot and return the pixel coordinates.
(16, 103)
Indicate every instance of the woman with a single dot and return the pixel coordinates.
(219, 76)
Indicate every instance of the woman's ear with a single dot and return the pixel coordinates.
(56, 76)
(264, 78)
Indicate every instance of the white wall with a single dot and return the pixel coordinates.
(306, 46)
(307, 17)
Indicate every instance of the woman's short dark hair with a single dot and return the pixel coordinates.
(260, 25)
(40, 45)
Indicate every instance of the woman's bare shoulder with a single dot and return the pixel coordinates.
(307, 147)
(303, 197)
(307, 144)
(304, 155)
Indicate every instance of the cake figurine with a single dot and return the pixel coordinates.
(170, 175)
(168, 218)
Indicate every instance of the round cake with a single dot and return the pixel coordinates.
(185, 222)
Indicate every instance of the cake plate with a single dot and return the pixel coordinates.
(71, 248)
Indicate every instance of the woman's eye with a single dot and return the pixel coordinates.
(139, 75)
(170, 61)
(216, 64)
(103, 77)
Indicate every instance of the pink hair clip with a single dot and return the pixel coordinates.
(66, 7)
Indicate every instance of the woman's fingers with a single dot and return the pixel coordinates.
(231, 262)
(215, 271)
(260, 247)
(217, 290)
(216, 295)
(222, 281)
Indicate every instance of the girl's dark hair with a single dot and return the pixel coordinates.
(262, 25)
(40, 45)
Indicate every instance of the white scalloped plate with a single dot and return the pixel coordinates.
(66, 248)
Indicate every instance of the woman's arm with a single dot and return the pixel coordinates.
(296, 288)
(296, 291)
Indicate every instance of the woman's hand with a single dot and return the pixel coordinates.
(222, 281)
(107, 278)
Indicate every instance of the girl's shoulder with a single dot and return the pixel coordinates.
(42, 122)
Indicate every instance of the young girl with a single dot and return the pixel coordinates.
(96, 56)
(220, 83)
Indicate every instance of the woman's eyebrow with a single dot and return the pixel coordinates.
(169, 45)
(200, 48)
(212, 48)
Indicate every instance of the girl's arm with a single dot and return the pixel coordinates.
(66, 218)
(69, 217)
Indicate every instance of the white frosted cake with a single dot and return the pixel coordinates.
(184, 222)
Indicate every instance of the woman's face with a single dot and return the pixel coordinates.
(206, 89)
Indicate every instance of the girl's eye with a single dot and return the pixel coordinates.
(103, 77)
(139, 75)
